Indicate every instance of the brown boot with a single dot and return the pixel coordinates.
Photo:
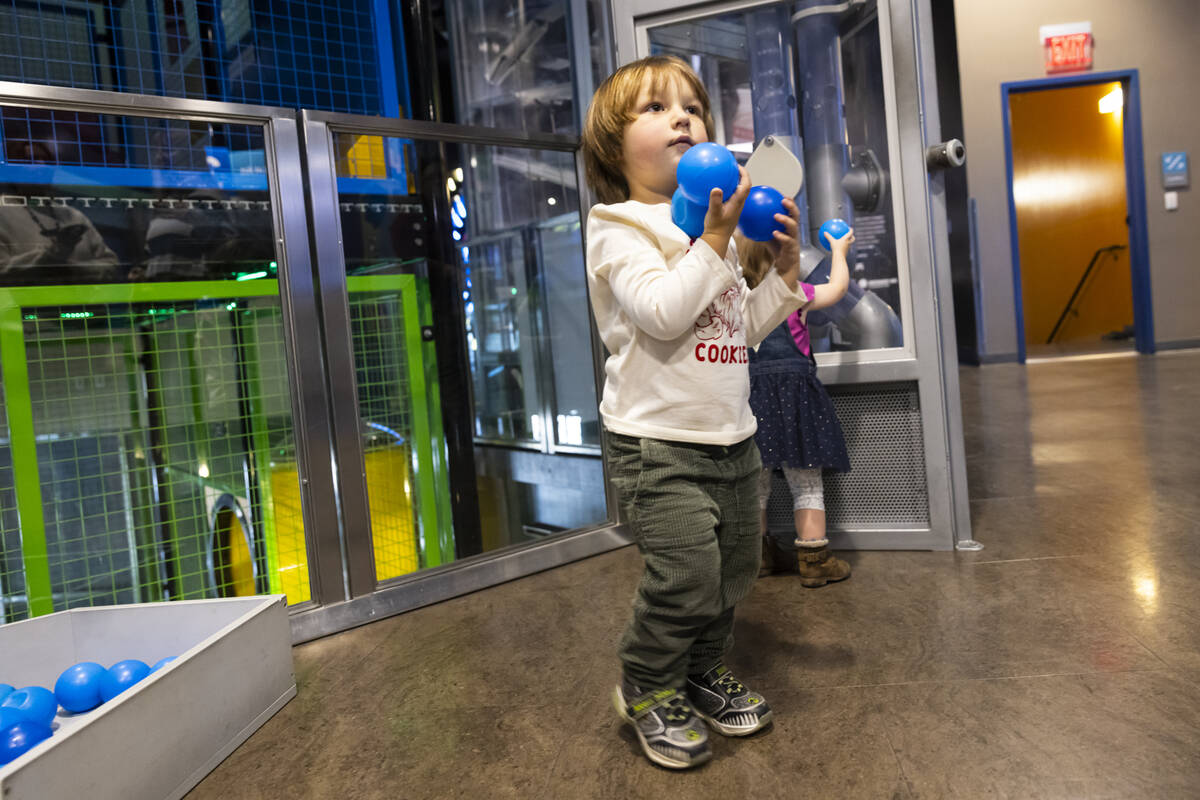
(775, 558)
(818, 566)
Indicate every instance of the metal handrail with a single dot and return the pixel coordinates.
(1079, 286)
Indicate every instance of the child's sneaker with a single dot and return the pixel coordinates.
(726, 703)
(669, 730)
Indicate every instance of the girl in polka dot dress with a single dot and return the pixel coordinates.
(798, 428)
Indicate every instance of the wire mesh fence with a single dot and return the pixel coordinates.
(161, 434)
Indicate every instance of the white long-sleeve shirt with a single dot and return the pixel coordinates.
(677, 319)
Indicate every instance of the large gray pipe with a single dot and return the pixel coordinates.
(863, 320)
(773, 88)
(826, 160)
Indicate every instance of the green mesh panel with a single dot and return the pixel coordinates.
(160, 433)
(13, 604)
(156, 427)
(385, 408)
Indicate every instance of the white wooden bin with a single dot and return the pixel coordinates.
(158, 739)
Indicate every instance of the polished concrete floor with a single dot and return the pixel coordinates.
(1063, 661)
(1037, 352)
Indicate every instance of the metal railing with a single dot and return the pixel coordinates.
(1112, 248)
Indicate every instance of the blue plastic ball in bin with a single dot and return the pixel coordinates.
(9, 717)
(120, 676)
(34, 703)
(19, 738)
(78, 687)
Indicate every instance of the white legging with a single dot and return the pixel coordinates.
(806, 486)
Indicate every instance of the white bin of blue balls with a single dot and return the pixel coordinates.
(164, 690)
(27, 715)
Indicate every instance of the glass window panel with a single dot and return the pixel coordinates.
(875, 266)
(322, 54)
(576, 416)
(505, 223)
(104, 199)
(512, 62)
(386, 246)
(154, 373)
(817, 84)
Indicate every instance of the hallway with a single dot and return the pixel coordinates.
(1061, 661)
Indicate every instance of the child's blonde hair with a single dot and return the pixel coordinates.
(611, 112)
(756, 259)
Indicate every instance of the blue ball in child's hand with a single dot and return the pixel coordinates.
(78, 687)
(704, 167)
(688, 215)
(758, 214)
(120, 676)
(17, 739)
(33, 703)
(835, 228)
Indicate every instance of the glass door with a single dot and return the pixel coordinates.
(150, 447)
(459, 336)
(843, 86)
(812, 77)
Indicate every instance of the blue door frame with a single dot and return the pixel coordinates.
(1135, 196)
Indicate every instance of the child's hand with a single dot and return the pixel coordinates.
(828, 293)
(722, 218)
(785, 244)
(841, 246)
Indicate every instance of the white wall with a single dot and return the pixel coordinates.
(998, 42)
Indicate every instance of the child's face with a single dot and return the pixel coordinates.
(666, 123)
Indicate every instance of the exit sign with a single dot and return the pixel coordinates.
(1067, 47)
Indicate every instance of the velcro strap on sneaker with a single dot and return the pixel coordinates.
(650, 701)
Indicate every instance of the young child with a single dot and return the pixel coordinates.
(677, 318)
(798, 428)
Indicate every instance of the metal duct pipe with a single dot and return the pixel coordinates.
(826, 160)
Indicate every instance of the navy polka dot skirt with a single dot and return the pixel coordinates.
(797, 424)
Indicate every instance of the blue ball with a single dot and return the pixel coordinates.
(758, 214)
(836, 228)
(162, 662)
(33, 703)
(120, 676)
(5, 690)
(78, 688)
(9, 717)
(688, 215)
(18, 738)
(704, 167)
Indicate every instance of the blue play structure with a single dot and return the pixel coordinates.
(238, 51)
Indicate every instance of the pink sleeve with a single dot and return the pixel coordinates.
(796, 326)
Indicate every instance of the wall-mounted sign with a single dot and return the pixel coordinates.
(1067, 47)
(1175, 170)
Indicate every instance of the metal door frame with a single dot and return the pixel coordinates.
(302, 344)
(928, 356)
(1135, 197)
